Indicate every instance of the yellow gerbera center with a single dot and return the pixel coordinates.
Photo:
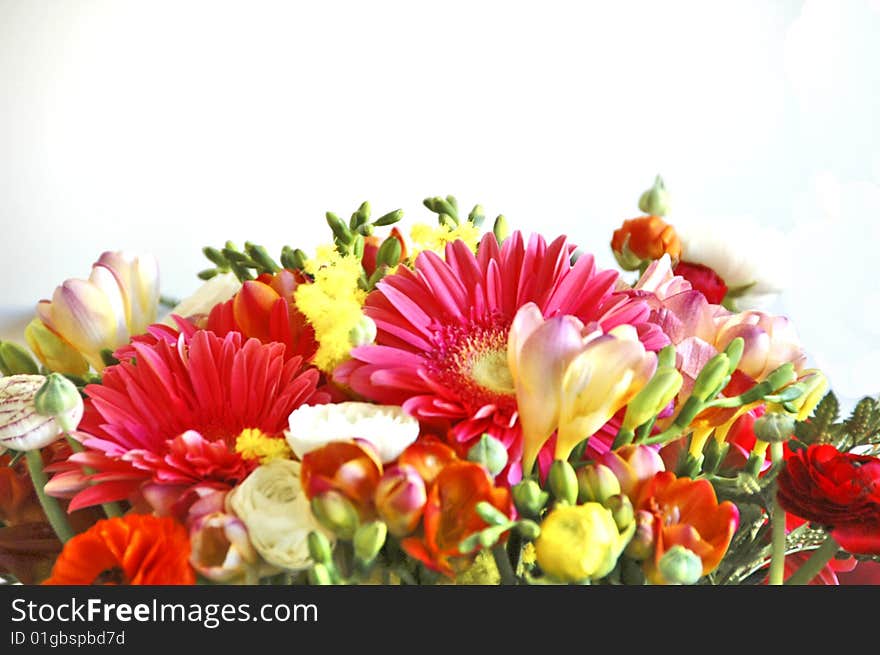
(254, 444)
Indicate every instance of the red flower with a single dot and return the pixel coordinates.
(704, 280)
(264, 309)
(838, 490)
(450, 515)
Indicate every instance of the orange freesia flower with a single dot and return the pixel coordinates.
(428, 457)
(350, 467)
(137, 549)
(646, 237)
(450, 515)
(687, 513)
(264, 308)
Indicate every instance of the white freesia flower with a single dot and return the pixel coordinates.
(219, 288)
(386, 427)
(21, 426)
(276, 511)
(753, 260)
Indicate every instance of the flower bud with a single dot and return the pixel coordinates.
(653, 397)
(15, 360)
(319, 574)
(320, 549)
(336, 513)
(489, 452)
(655, 201)
(621, 509)
(734, 352)
(389, 252)
(529, 530)
(774, 427)
(400, 498)
(363, 332)
(60, 399)
(680, 565)
(368, 541)
(711, 377)
(641, 546)
(21, 426)
(563, 482)
(500, 229)
(714, 453)
(814, 384)
(596, 483)
(529, 498)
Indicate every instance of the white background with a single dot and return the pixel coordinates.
(166, 126)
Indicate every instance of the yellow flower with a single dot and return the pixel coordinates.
(53, 351)
(609, 372)
(435, 237)
(579, 542)
(333, 304)
(253, 444)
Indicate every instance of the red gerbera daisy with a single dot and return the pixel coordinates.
(441, 344)
(172, 415)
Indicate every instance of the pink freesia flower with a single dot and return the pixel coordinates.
(442, 331)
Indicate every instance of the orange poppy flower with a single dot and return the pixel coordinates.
(450, 515)
(137, 549)
(350, 467)
(687, 513)
(644, 238)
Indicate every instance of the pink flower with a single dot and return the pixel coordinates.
(171, 417)
(442, 331)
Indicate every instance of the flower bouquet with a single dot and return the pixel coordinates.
(456, 407)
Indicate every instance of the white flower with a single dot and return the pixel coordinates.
(276, 511)
(21, 426)
(386, 427)
(751, 258)
(219, 288)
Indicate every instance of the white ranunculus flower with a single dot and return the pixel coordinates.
(219, 288)
(276, 511)
(386, 427)
(21, 426)
(745, 254)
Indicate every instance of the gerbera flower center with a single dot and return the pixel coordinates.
(473, 358)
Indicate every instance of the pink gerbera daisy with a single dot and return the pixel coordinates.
(170, 417)
(441, 343)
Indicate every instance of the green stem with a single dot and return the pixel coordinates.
(777, 559)
(670, 433)
(820, 557)
(57, 517)
(110, 509)
(508, 577)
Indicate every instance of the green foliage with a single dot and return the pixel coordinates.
(862, 428)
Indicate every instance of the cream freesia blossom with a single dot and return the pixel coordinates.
(598, 382)
(21, 426)
(219, 288)
(119, 300)
(770, 342)
(538, 353)
(276, 511)
(222, 550)
(386, 427)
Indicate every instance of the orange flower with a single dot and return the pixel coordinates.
(137, 549)
(350, 467)
(687, 513)
(264, 308)
(644, 238)
(450, 515)
(428, 457)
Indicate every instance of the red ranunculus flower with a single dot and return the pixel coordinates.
(838, 490)
(704, 280)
